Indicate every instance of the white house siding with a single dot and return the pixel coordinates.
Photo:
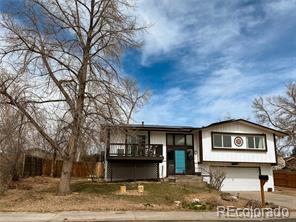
(196, 151)
(204, 169)
(158, 137)
(237, 156)
(267, 170)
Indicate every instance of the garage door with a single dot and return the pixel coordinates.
(241, 179)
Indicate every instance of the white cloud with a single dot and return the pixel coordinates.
(224, 83)
(160, 108)
(280, 6)
(205, 25)
(163, 33)
(219, 41)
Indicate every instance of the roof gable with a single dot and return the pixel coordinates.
(249, 123)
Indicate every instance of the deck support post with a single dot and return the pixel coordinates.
(111, 170)
(149, 138)
(108, 141)
(158, 176)
(125, 139)
(135, 171)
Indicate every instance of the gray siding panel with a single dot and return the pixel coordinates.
(132, 171)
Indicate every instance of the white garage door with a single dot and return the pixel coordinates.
(241, 179)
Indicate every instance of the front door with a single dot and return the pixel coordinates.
(180, 166)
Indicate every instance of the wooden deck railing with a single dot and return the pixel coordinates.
(134, 150)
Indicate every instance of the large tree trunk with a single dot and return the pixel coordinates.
(64, 185)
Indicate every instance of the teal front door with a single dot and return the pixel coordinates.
(180, 161)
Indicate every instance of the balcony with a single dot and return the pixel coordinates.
(123, 151)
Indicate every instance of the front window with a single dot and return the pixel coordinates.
(170, 139)
(250, 142)
(180, 139)
(239, 141)
(189, 140)
(137, 139)
(218, 140)
(221, 140)
(256, 142)
(226, 141)
(142, 139)
(259, 142)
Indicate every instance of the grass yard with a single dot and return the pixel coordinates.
(38, 194)
(155, 192)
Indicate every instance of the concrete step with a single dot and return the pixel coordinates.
(184, 178)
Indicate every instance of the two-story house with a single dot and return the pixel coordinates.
(241, 149)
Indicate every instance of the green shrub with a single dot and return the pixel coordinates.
(196, 205)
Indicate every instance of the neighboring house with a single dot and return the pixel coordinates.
(241, 148)
(39, 153)
(290, 163)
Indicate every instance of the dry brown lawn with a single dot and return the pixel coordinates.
(38, 194)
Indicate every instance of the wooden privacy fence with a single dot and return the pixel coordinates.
(284, 178)
(35, 166)
(79, 169)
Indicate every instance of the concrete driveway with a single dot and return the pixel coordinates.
(274, 197)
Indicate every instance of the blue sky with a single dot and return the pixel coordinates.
(207, 60)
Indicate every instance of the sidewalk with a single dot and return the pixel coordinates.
(115, 216)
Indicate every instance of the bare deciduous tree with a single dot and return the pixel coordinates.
(12, 144)
(216, 176)
(279, 112)
(130, 99)
(61, 59)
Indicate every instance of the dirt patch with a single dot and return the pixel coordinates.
(48, 202)
(34, 183)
